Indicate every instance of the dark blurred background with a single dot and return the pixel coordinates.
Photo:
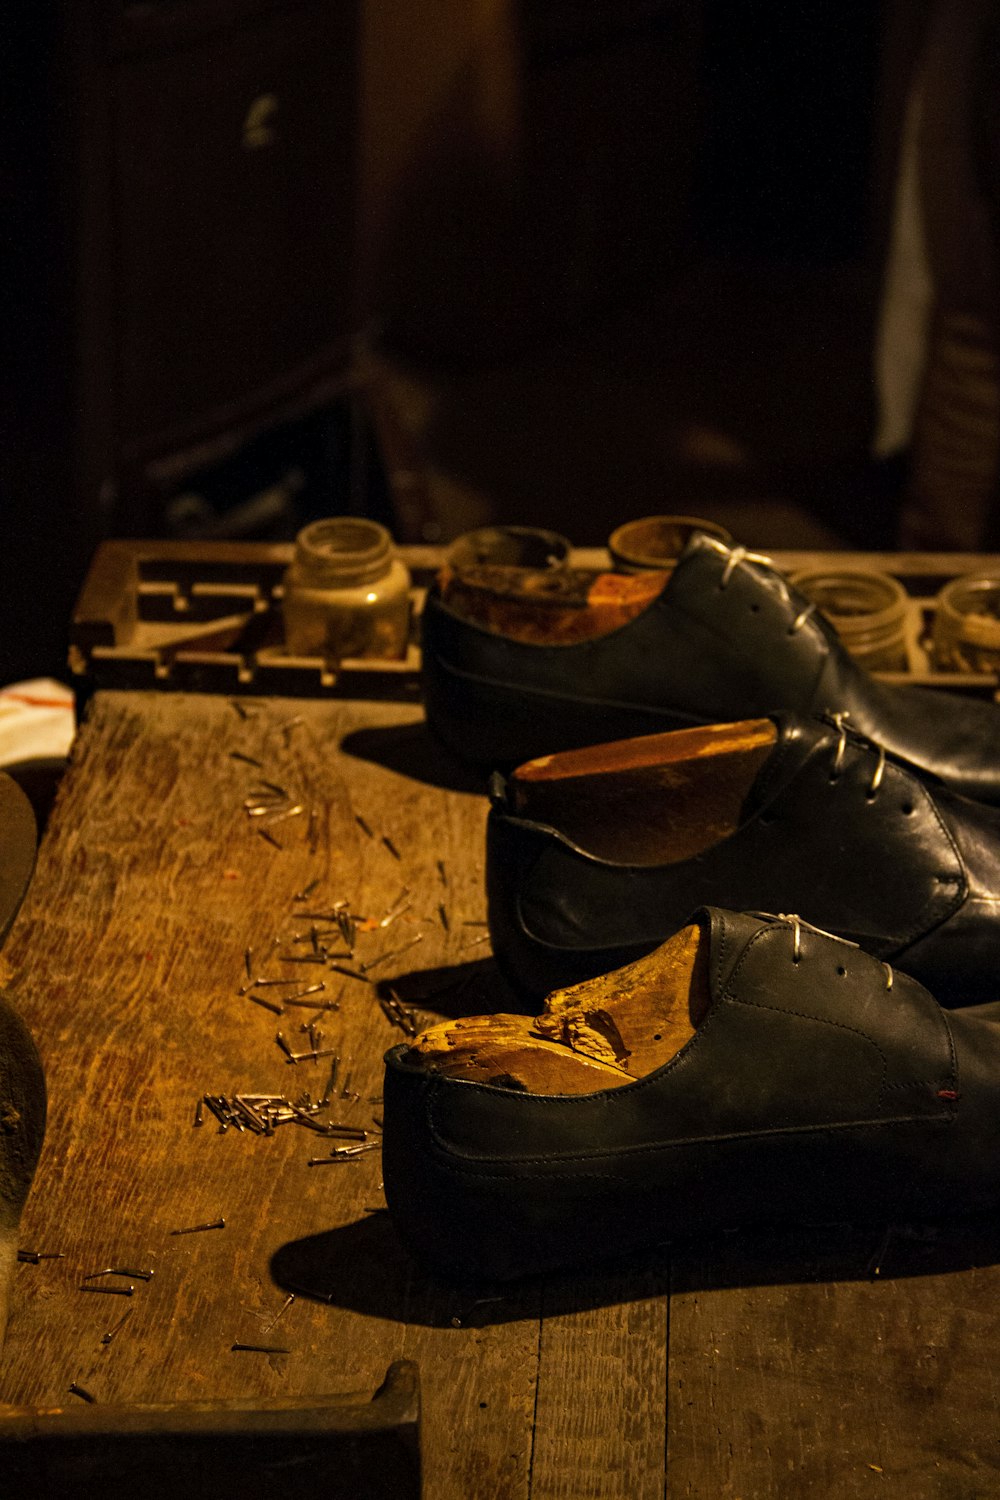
(564, 262)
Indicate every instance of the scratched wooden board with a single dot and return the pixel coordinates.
(126, 961)
(824, 1364)
(838, 1363)
(603, 1339)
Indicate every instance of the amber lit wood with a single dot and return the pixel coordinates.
(597, 1035)
(549, 607)
(506, 1051)
(651, 800)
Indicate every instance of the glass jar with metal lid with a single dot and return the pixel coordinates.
(347, 593)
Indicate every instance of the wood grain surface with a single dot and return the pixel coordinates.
(833, 1364)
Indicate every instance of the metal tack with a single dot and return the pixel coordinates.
(107, 1337)
(197, 1228)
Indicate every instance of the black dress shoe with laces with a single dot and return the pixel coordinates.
(594, 856)
(807, 1093)
(726, 638)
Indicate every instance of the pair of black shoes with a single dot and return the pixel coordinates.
(815, 1081)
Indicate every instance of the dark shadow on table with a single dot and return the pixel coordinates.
(363, 1266)
(413, 751)
(476, 988)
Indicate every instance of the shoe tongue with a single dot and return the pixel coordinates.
(798, 740)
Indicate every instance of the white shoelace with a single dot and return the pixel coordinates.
(797, 923)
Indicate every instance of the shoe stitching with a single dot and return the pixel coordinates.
(525, 689)
(772, 767)
(728, 995)
(951, 1048)
(922, 1083)
(721, 945)
(961, 880)
(454, 1163)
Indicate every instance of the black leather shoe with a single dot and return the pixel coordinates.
(587, 871)
(726, 639)
(801, 1097)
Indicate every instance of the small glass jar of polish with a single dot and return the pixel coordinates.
(346, 593)
(966, 634)
(869, 611)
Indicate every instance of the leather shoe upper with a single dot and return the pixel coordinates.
(908, 870)
(726, 639)
(808, 1092)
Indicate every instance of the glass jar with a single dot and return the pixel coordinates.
(656, 542)
(867, 610)
(508, 547)
(967, 625)
(346, 592)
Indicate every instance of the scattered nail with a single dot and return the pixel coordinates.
(78, 1390)
(286, 1304)
(394, 953)
(277, 1010)
(107, 1337)
(197, 1228)
(286, 812)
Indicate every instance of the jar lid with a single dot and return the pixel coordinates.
(508, 546)
(656, 542)
(343, 551)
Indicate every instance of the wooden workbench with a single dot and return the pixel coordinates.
(832, 1364)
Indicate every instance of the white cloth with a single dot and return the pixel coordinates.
(37, 721)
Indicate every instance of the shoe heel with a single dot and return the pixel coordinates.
(532, 967)
(491, 723)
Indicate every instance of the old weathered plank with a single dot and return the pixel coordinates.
(126, 961)
(798, 1373)
(600, 1429)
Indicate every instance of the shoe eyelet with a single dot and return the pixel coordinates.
(906, 808)
(841, 971)
(755, 609)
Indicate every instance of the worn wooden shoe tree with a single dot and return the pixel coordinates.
(548, 606)
(598, 1035)
(654, 800)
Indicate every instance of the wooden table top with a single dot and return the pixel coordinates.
(831, 1363)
